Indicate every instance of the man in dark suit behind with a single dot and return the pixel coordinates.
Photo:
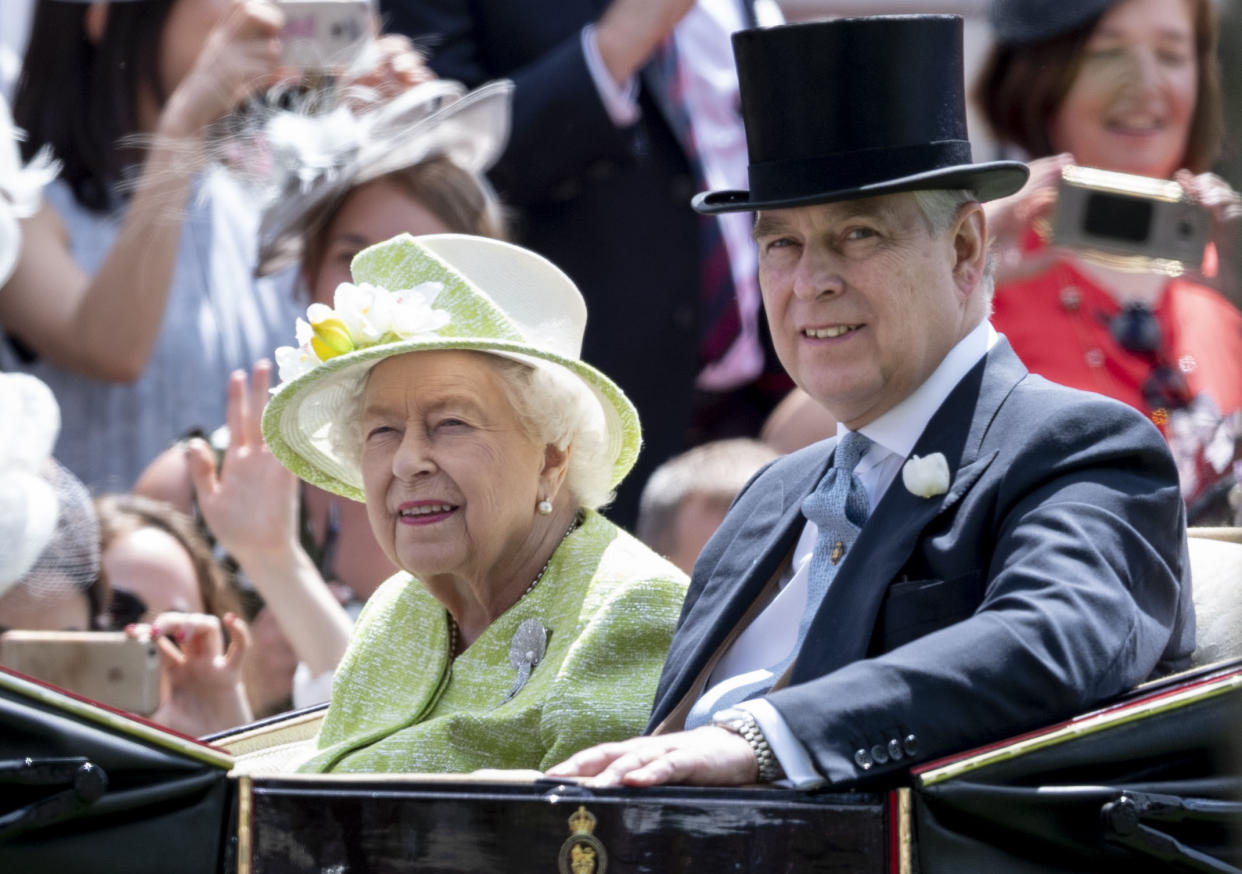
(1023, 556)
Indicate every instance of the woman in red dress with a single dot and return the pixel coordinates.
(1128, 86)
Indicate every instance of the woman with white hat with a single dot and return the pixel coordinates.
(339, 182)
(446, 389)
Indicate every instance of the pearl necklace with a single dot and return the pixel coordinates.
(455, 634)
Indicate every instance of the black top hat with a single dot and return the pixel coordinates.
(856, 107)
(1019, 22)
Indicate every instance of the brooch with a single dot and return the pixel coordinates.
(526, 650)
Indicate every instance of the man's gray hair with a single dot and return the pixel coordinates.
(939, 206)
(553, 406)
(715, 471)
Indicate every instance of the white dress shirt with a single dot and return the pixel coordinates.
(769, 638)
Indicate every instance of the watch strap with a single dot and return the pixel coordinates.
(744, 725)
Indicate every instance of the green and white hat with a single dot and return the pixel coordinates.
(443, 291)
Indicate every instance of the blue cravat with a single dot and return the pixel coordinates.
(838, 507)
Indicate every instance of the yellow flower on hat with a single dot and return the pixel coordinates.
(330, 337)
(362, 315)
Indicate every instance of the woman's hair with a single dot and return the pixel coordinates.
(556, 407)
(462, 200)
(1021, 88)
(81, 97)
(122, 514)
(553, 405)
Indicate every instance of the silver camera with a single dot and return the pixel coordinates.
(1122, 214)
(319, 34)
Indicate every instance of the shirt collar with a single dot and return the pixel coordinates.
(900, 428)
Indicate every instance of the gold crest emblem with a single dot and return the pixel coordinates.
(582, 852)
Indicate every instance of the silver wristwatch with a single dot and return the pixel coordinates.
(743, 723)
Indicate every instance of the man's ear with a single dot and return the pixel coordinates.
(96, 22)
(970, 240)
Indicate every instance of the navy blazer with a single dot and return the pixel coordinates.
(1051, 575)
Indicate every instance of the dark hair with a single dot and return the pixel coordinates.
(81, 97)
(1021, 87)
(461, 200)
(122, 514)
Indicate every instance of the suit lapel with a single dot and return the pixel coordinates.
(842, 629)
(757, 545)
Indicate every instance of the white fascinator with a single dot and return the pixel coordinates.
(21, 188)
(315, 159)
(49, 533)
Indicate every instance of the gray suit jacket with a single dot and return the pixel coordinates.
(1050, 576)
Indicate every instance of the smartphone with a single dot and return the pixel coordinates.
(324, 33)
(1123, 214)
(105, 666)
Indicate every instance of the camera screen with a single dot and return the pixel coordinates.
(1118, 217)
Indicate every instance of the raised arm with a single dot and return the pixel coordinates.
(106, 325)
(251, 506)
(561, 127)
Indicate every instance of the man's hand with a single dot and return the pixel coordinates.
(707, 756)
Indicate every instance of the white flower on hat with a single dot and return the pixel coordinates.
(927, 476)
(413, 313)
(295, 362)
(364, 315)
(372, 315)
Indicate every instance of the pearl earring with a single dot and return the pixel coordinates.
(544, 507)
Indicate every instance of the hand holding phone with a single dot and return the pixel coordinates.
(203, 690)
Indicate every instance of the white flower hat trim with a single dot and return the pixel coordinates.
(927, 476)
(362, 315)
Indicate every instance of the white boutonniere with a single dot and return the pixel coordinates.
(927, 476)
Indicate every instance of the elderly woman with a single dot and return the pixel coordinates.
(339, 182)
(446, 390)
(1129, 86)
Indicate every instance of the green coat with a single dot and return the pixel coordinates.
(399, 703)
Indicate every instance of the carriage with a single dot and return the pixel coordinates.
(1149, 782)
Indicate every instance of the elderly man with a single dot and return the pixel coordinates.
(979, 551)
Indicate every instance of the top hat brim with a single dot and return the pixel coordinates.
(988, 181)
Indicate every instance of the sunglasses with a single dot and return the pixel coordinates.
(125, 609)
(1136, 330)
